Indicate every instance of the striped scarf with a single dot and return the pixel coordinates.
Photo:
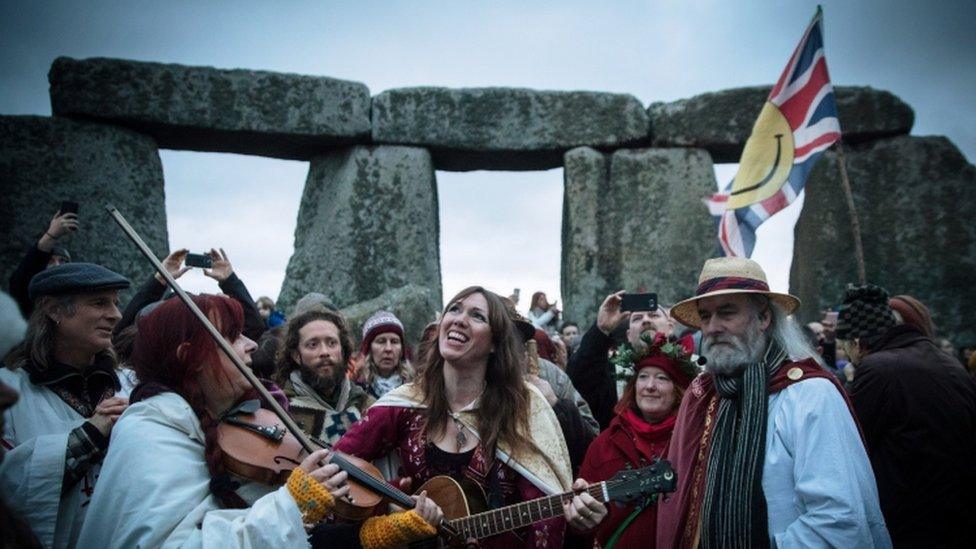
(734, 513)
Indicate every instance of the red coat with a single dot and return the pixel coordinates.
(618, 448)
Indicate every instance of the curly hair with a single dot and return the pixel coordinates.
(283, 361)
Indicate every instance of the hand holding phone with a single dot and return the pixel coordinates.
(63, 222)
(638, 302)
(68, 206)
(198, 260)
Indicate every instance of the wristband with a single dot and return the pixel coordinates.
(395, 529)
(313, 500)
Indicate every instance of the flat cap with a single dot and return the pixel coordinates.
(73, 278)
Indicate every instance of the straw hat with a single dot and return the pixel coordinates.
(729, 275)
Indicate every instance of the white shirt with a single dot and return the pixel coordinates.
(818, 482)
(31, 474)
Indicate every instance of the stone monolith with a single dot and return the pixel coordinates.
(207, 109)
(914, 198)
(634, 221)
(44, 161)
(505, 128)
(722, 121)
(368, 222)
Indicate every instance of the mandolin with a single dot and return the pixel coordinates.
(466, 512)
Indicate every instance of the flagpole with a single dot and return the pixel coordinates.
(855, 224)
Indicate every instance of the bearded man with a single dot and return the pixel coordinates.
(766, 449)
(312, 366)
(589, 367)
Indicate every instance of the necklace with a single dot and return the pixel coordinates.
(460, 438)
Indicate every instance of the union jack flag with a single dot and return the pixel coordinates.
(798, 122)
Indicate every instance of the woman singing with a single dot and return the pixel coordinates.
(470, 415)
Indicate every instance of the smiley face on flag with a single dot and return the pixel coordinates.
(766, 161)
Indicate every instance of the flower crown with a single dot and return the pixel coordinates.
(669, 347)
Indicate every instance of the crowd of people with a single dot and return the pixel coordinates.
(858, 430)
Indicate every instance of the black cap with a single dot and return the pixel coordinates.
(865, 312)
(73, 278)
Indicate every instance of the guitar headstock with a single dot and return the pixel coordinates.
(633, 484)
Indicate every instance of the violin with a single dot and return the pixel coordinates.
(258, 447)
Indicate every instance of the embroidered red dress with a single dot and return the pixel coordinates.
(631, 442)
(387, 429)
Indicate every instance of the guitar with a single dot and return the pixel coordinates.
(466, 511)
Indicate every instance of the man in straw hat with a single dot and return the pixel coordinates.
(765, 448)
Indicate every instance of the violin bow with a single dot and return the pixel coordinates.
(219, 339)
(400, 498)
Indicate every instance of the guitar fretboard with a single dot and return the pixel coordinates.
(520, 515)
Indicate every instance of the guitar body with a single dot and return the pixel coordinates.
(458, 499)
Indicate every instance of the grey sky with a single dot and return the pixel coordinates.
(500, 229)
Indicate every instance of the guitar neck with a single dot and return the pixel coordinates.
(520, 515)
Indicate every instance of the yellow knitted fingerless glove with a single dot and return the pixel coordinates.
(395, 529)
(313, 499)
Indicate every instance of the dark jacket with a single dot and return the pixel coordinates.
(917, 409)
(152, 291)
(590, 370)
(34, 262)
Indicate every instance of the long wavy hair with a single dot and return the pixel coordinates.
(160, 368)
(40, 341)
(503, 413)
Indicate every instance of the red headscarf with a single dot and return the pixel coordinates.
(676, 365)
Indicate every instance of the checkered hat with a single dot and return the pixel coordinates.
(865, 312)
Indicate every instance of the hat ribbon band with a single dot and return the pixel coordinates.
(731, 283)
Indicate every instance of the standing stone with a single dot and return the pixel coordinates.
(914, 197)
(207, 109)
(415, 306)
(639, 226)
(505, 128)
(368, 223)
(721, 122)
(589, 254)
(46, 160)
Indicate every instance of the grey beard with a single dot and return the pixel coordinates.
(324, 386)
(731, 362)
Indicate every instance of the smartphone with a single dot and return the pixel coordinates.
(638, 302)
(515, 292)
(198, 260)
(69, 206)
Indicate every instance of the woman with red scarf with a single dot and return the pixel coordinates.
(639, 434)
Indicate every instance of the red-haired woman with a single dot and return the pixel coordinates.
(164, 481)
(471, 416)
(639, 434)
